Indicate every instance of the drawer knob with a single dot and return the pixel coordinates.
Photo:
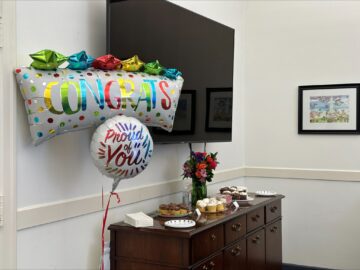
(255, 239)
(205, 267)
(236, 227)
(274, 229)
(213, 237)
(236, 251)
(273, 209)
(255, 218)
(212, 265)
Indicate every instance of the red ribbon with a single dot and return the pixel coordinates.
(103, 226)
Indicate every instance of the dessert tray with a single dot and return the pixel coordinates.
(265, 193)
(174, 216)
(180, 223)
(217, 212)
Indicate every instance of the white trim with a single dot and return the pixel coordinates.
(35, 215)
(309, 174)
(8, 135)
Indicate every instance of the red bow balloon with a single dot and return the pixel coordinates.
(106, 62)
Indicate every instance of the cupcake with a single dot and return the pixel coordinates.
(206, 200)
(164, 209)
(241, 188)
(223, 189)
(176, 210)
(211, 207)
(243, 195)
(183, 209)
(236, 196)
(201, 205)
(220, 206)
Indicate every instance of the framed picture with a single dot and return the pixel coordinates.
(184, 122)
(218, 109)
(328, 109)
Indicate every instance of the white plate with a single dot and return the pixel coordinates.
(265, 193)
(180, 223)
(249, 199)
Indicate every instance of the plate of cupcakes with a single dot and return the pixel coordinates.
(211, 205)
(172, 210)
(238, 193)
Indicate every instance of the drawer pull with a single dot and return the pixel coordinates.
(236, 227)
(255, 239)
(236, 251)
(255, 218)
(274, 229)
(205, 267)
(212, 265)
(213, 237)
(273, 209)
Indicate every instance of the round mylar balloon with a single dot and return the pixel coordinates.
(68, 100)
(121, 148)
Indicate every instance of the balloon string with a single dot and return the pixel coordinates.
(103, 226)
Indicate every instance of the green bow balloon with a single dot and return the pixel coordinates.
(47, 60)
(154, 68)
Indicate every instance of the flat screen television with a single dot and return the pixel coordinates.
(202, 49)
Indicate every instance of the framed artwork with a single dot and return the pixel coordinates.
(218, 109)
(328, 109)
(184, 122)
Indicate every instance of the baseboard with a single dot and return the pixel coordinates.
(287, 266)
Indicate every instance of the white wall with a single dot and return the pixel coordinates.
(287, 44)
(62, 169)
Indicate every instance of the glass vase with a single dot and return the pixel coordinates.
(199, 191)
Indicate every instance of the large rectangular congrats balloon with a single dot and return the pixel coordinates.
(67, 100)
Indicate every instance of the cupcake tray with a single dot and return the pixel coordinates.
(217, 212)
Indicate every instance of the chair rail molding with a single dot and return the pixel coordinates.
(34, 215)
(7, 135)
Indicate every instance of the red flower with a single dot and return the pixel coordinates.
(198, 174)
(209, 159)
(213, 165)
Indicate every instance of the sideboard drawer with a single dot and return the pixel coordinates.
(207, 242)
(136, 245)
(234, 229)
(273, 211)
(215, 263)
(235, 256)
(255, 219)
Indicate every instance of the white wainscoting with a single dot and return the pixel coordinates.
(35, 215)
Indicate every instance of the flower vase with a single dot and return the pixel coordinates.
(199, 191)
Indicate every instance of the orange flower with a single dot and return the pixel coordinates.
(201, 166)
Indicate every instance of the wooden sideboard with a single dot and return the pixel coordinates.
(248, 238)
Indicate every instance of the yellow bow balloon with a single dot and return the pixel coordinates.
(132, 64)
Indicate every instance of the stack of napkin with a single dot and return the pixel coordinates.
(139, 220)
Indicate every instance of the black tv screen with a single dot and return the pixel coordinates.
(202, 49)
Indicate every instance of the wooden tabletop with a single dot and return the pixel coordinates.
(204, 222)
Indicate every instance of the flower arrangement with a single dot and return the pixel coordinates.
(200, 166)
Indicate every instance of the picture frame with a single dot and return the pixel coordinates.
(184, 122)
(328, 109)
(219, 109)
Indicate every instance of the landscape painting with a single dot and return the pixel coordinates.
(329, 109)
